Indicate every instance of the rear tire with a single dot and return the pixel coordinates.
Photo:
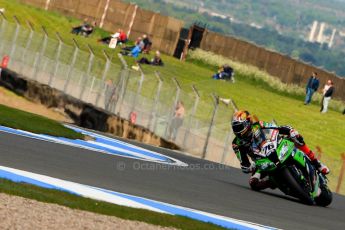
(296, 189)
(325, 198)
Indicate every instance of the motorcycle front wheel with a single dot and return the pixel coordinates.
(296, 188)
(325, 198)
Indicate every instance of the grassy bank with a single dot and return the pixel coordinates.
(254, 76)
(18, 119)
(77, 202)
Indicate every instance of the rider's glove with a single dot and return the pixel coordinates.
(296, 137)
(248, 169)
(294, 133)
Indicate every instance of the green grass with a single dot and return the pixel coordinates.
(52, 21)
(18, 119)
(81, 203)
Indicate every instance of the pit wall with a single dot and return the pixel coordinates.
(83, 114)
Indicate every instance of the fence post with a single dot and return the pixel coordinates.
(178, 90)
(88, 71)
(15, 37)
(124, 76)
(3, 26)
(132, 20)
(57, 58)
(341, 175)
(46, 7)
(104, 13)
(40, 55)
(216, 103)
(104, 75)
(3, 21)
(233, 105)
(153, 119)
(189, 124)
(226, 146)
(140, 84)
(70, 69)
(27, 45)
(91, 88)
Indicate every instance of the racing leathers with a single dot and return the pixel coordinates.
(249, 146)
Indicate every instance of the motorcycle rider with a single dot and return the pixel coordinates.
(249, 132)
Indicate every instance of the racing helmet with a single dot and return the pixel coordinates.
(241, 124)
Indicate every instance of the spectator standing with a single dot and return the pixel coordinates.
(177, 120)
(328, 91)
(311, 88)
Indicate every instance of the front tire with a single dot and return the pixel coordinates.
(325, 198)
(295, 187)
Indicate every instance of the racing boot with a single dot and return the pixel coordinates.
(320, 167)
(257, 184)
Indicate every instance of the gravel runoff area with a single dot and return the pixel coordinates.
(21, 213)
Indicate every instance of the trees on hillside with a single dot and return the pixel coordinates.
(295, 46)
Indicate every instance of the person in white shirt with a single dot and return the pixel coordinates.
(327, 95)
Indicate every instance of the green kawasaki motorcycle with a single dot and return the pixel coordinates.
(291, 171)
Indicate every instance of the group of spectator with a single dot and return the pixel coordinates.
(143, 44)
(327, 91)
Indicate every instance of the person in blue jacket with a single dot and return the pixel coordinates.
(136, 51)
(311, 88)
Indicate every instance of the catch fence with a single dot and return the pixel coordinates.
(143, 98)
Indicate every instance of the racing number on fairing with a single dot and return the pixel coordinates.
(267, 148)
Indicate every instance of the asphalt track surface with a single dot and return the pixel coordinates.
(203, 185)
